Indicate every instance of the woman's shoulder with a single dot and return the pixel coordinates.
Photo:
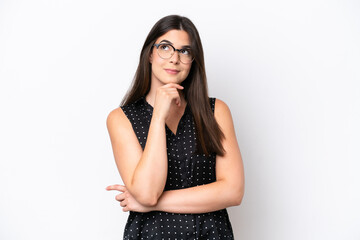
(221, 109)
(218, 104)
(128, 108)
(121, 116)
(132, 106)
(116, 118)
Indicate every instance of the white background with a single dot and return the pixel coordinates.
(289, 71)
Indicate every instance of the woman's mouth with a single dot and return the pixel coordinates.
(172, 71)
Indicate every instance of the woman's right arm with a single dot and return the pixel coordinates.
(143, 172)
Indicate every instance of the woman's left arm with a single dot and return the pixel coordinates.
(226, 191)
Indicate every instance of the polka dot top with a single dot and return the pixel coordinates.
(185, 169)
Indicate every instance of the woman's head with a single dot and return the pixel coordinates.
(170, 58)
(182, 33)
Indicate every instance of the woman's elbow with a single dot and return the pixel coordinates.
(238, 200)
(147, 200)
(238, 196)
(145, 196)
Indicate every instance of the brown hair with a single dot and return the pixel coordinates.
(209, 134)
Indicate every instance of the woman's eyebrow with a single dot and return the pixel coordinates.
(167, 41)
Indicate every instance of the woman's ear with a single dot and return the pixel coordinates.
(150, 58)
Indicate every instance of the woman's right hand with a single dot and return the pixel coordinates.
(127, 201)
(166, 96)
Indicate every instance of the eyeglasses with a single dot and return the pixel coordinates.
(166, 51)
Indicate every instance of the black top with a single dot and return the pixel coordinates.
(185, 169)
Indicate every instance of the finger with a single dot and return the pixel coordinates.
(117, 187)
(177, 99)
(112, 186)
(120, 197)
(172, 90)
(124, 203)
(175, 85)
(173, 94)
(178, 102)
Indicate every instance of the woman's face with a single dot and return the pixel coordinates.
(170, 70)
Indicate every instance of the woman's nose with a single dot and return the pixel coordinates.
(175, 58)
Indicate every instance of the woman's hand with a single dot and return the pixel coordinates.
(165, 96)
(127, 201)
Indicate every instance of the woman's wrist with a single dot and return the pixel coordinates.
(157, 119)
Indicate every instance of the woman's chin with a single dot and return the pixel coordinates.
(177, 81)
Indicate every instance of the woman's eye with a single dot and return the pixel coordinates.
(164, 47)
(185, 52)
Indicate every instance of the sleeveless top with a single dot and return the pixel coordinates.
(185, 169)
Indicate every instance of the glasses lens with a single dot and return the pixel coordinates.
(186, 56)
(165, 50)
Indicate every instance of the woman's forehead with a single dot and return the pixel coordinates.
(175, 37)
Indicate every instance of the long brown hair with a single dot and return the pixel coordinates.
(209, 134)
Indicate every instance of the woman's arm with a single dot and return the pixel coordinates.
(135, 166)
(200, 199)
(227, 191)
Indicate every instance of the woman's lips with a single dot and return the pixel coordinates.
(172, 71)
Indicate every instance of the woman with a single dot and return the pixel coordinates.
(166, 138)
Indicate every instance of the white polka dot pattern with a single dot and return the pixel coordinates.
(185, 169)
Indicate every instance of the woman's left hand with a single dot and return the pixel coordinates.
(127, 201)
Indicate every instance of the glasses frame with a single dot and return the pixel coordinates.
(157, 45)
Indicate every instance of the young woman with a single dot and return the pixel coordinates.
(175, 147)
